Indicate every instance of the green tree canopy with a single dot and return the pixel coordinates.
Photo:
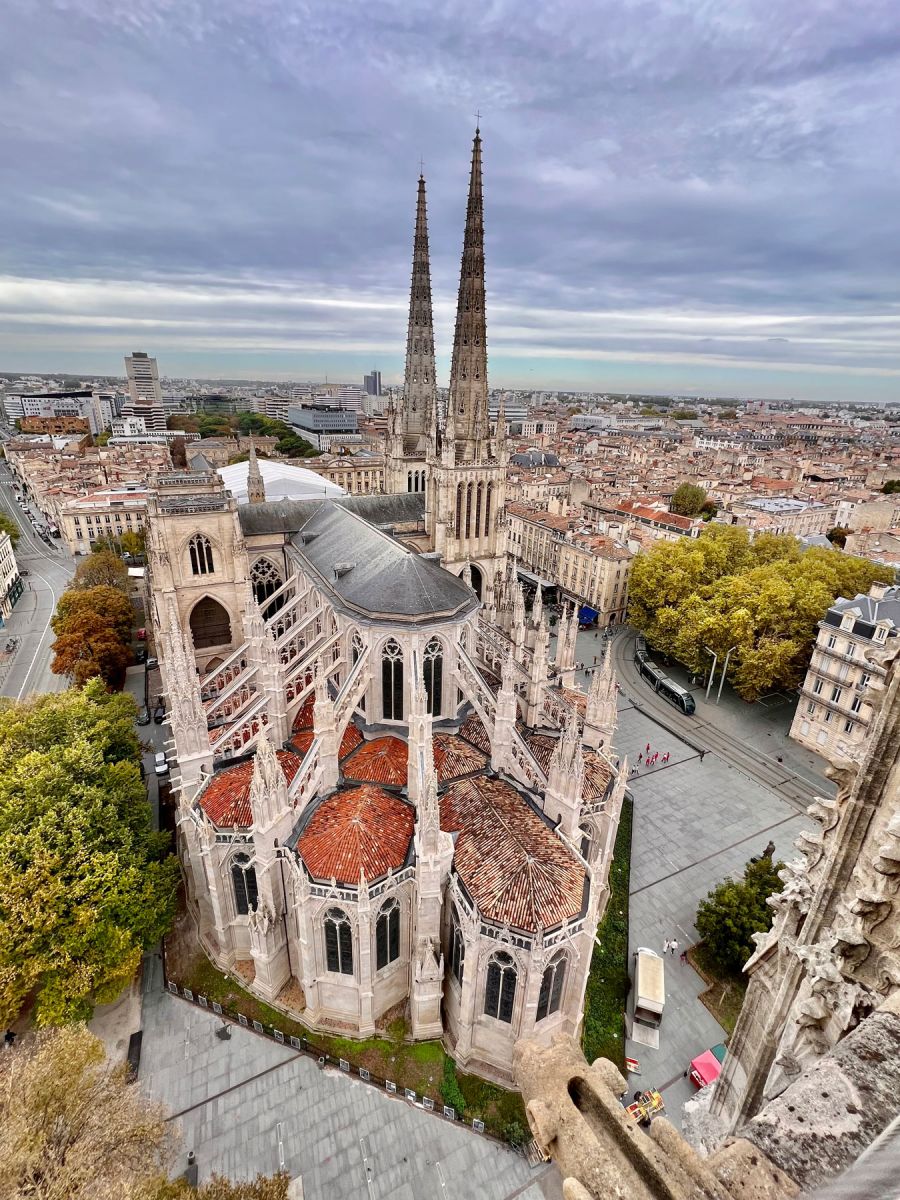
(891, 486)
(688, 500)
(289, 443)
(89, 646)
(764, 598)
(11, 526)
(87, 885)
(101, 569)
(736, 909)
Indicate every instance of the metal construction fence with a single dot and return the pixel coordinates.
(305, 1045)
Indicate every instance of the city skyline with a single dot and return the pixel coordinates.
(697, 204)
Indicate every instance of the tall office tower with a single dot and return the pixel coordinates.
(144, 393)
(372, 383)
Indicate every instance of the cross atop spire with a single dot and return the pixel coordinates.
(468, 371)
(419, 395)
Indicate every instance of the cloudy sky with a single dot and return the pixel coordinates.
(681, 195)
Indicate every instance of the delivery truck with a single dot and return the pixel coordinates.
(649, 987)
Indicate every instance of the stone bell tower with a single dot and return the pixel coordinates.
(466, 501)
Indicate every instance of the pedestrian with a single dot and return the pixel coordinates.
(665, 945)
(640, 758)
(683, 957)
(666, 757)
(648, 748)
(673, 946)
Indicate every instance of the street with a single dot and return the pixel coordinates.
(49, 569)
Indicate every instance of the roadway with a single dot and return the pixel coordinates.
(49, 568)
(752, 738)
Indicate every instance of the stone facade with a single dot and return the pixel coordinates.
(832, 955)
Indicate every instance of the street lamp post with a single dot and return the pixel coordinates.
(724, 670)
(712, 673)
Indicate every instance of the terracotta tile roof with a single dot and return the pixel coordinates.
(226, 798)
(492, 680)
(351, 739)
(304, 718)
(541, 746)
(365, 830)
(597, 774)
(516, 870)
(380, 761)
(473, 731)
(577, 699)
(302, 741)
(454, 757)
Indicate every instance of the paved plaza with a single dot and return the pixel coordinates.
(695, 822)
(248, 1105)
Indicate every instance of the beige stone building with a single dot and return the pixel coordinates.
(102, 513)
(358, 474)
(835, 713)
(11, 585)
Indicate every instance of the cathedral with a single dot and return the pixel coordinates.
(392, 798)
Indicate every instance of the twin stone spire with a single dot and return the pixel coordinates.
(467, 424)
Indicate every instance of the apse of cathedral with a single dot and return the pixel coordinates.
(390, 794)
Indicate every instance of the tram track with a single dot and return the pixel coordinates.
(707, 738)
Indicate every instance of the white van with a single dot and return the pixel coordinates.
(649, 987)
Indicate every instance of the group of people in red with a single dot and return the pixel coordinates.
(650, 760)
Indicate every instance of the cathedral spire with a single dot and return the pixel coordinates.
(256, 487)
(419, 393)
(468, 399)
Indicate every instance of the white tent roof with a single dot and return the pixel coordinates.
(283, 481)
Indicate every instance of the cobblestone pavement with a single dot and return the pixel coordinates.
(248, 1105)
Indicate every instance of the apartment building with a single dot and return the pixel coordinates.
(781, 514)
(358, 474)
(102, 513)
(144, 392)
(835, 714)
(11, 585)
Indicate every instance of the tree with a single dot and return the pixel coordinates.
(688, 500)
(71, 1126)
(178, 451)
(761, 600)
(838, 536)
(11, 526)
(736, 909)
(88, 886)
(102, 439)
(133, 541)
(103, 601)
(102, 569)
(891, 486)
(90, 645)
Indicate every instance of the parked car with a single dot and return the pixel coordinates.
(141, 635)
(160, 766)
(151, 663)
(24, 573)
(140, 654)
(159, 715)
(706, 1067)
(144, 716)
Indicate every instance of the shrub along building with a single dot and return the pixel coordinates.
(388, 793)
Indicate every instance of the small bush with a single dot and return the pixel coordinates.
(450, 1090)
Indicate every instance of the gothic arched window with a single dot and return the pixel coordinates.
(457, 954)
(468, 509)
(552, 982)
(434, 675)
(356, 648)
(338, 942)
(409, 481)
(266, 580)
(201, 555)
(392, 681)
(243, 880)
(387, 934)
(210, 623)
(500, 988)
(487, 507)
(478, 500)
(459, 506)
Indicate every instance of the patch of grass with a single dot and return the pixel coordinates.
(724, 993)
(606, 996)
(424, 1067)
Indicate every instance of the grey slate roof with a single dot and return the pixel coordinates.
(384, 579)
(872, 610)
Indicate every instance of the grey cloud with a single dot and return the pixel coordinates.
(740, 159)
